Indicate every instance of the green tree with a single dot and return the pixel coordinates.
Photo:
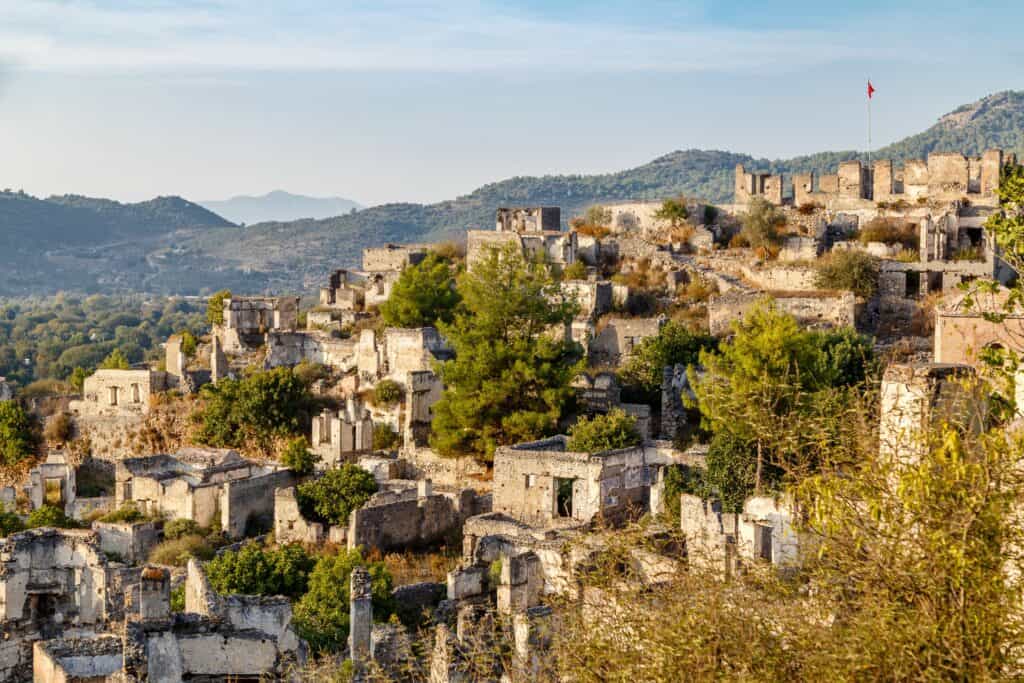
(177, 528)
(215, 307)
(385, 437)
(189, 343)
(673, 211)
(1007, 225)
(254, 410)
(673, 345)
(10, 523)
(598, 216)
(322, 615)
(253, 570)
(387, 392)
(18, 434)
(333, 496)
(115, 361)
(778, 387)
(297, 456)
(77, 378)
(610, 431)
(852, 269)
(761, 224)
(513, 368)
(424, 295)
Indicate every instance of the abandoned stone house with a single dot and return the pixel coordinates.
(55, 582)
(217, 638)
(204, 485)
(964, 333)
(814, 309)
(543, 483)
(616, 337)
(382, 266)
(339, 435)
(52, 482)
(118, 393)
(247, 320)
(942, 176)
(532, 232)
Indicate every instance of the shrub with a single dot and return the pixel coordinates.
(384, 437)
(189, 343)
(673, 211)
(128, 512)
(215, 307)
(423, 295)
(10, 523)
(46, 387)
(890, 231)
(606, 432)
(575, 271)
(50, 515)
(322, 615)
(308, 373)
(387, 392)
(673, 345)
(59, 428)
(177, 552)
(298, 457)
(852, 269)
(333, 496)
(253, 570)
(681, 479)
(178, 599)
(176, 528)
(761, 224)
(18, 437)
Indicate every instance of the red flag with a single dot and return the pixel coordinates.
(871, 89)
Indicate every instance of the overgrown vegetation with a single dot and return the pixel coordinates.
(19, 436)
(254, 570)
(424, 294)
(607, 432)
(851, 269)
(297, 456)
(890, 231)
(332, 497)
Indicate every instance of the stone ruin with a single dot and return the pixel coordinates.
(340, 435)
(6, 390)
(531, 231)
(248, 319)
(118, 393)
(382, 266)
(205, 485)
(544, 484)
(942, 176)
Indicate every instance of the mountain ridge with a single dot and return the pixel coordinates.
(279, 205)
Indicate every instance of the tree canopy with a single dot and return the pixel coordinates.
(673, 345)
(18, 434)
(513, 367)
(332, 497)
(424, 294)
(253, 570)
(607, 432)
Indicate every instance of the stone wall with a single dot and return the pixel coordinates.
(425, 463)
(531, 219)
(130, 541)
(393, 257)
(419, 519)
(811, 309)
(961, 335)
(118, 393)
(251, 501)
(617, 337)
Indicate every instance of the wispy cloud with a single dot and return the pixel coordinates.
(449, 36)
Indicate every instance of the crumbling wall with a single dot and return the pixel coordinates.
(421, 519)
(393, 257)
(617, 337)
(130, 541)
(251, 501)
(529, 219)
(813, 309)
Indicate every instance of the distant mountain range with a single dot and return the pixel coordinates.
(279, 206)
(170, 245)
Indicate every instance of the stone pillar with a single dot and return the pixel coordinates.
(424, 489)
(360, 617)
(218, 362)
(991, 167)
(174, 357)
(155, 594)
(883, 187)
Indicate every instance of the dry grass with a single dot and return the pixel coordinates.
(410, 567)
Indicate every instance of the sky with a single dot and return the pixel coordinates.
(384, 101)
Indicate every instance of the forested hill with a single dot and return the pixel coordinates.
(167, 245)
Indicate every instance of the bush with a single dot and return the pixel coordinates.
(673, 345)
(673, 211)
(253, 570)
(177, 552)
(385, 438)
(18, 437)
(761, 224)
(50, 515)
(387, 392)
(575, 271)
(177, 528)
(59, 428)
(42, 388)
(607, 432)
(189, 343)
(297, 456)
(854, 270)
(178, 599)
(681, 479)
(215, 307)
(890, 231)
(10, 523)
(322, 615)
(126, 513)
(333, 496)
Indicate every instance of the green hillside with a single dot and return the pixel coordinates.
(166, 245)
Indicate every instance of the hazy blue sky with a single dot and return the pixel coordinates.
(419, 101)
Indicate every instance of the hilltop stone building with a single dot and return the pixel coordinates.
(532, 231)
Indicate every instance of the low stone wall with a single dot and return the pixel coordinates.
(417, 521)
(811, 309)
(425, 463)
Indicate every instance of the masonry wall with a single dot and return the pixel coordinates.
(615, 341)
(960, 337)
(813, 310)
(243, 500)
(417, 521)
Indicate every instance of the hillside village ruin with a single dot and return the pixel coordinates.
(86, 605)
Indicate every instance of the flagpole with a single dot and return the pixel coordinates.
(869, 122)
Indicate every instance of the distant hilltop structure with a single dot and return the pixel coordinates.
(943, 176)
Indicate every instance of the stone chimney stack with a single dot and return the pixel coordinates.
(155, 594)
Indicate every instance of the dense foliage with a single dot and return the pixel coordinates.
(51, 338)
(674, 344)
(254, 570)
(215, 307)
(297, 456)
(49, 516)
(331, 497)
(761, 224)
(18, 433)
(423, 295)
(10, 523)
(779, 388)
(509, 380)
(610, 431)
(254, 411)
(852, 269)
